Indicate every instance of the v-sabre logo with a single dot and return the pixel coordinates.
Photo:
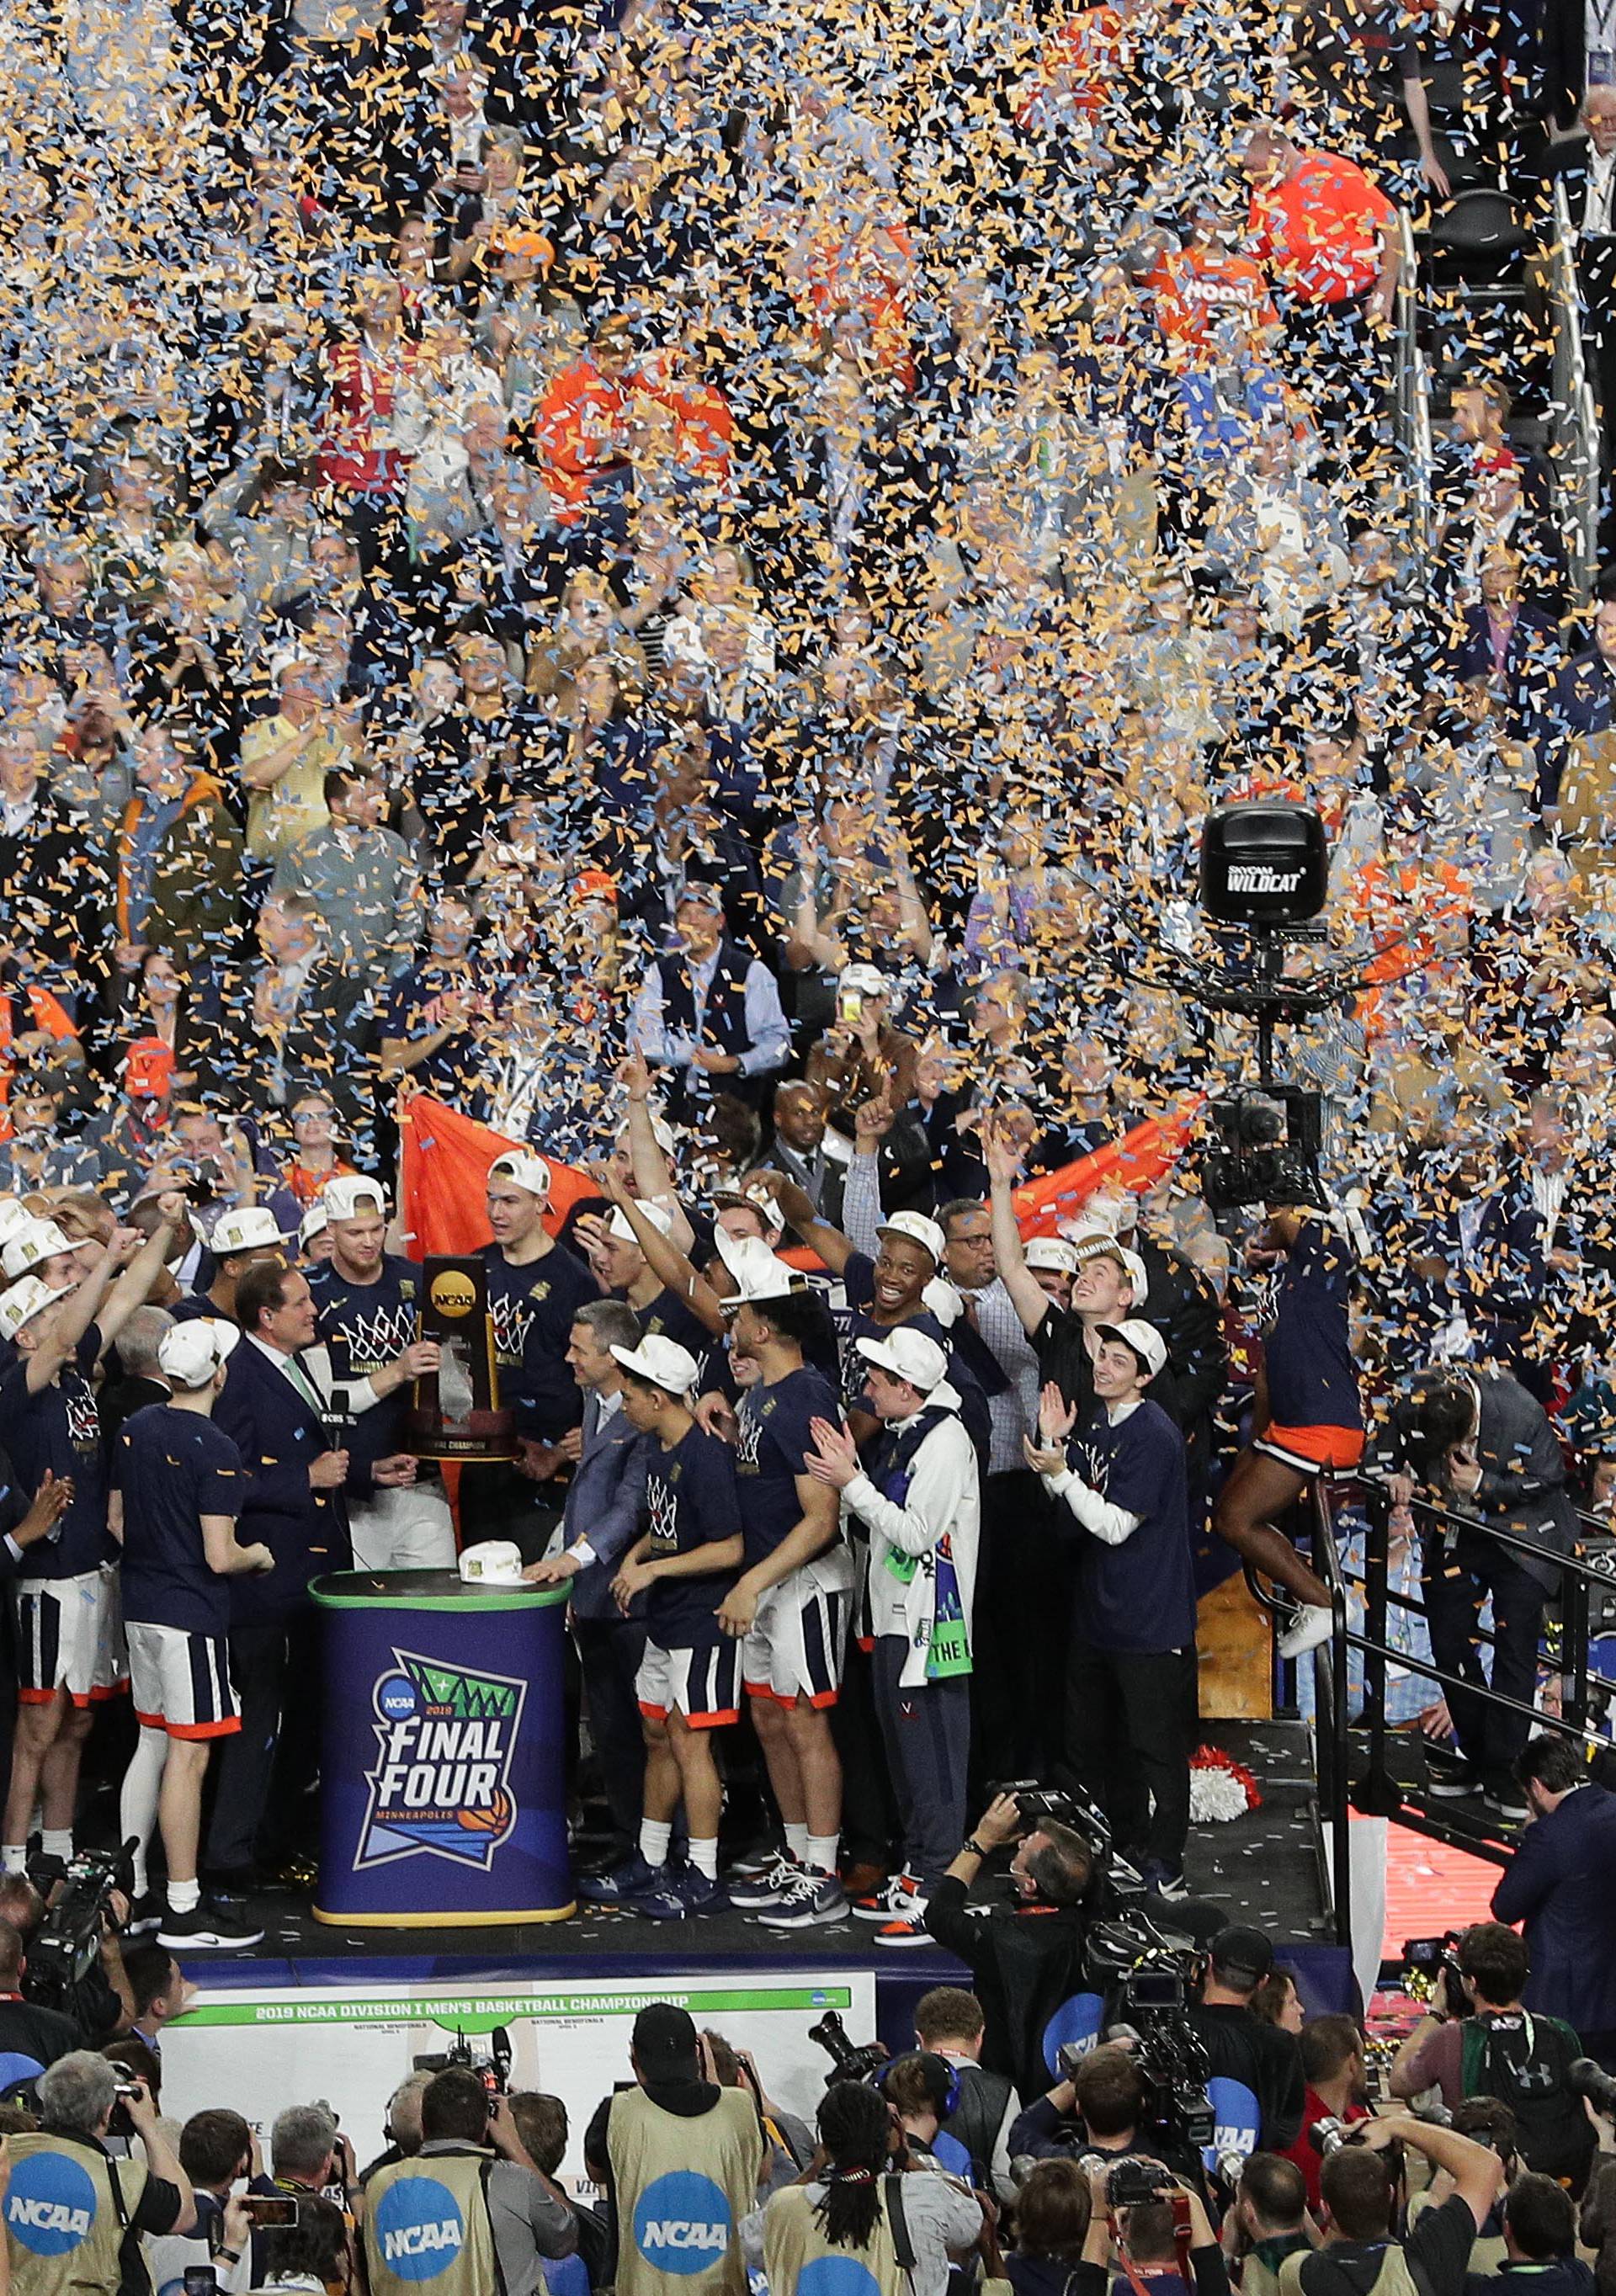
(441, 1786)
(1252, 877)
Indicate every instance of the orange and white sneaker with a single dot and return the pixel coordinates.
(890, 1902)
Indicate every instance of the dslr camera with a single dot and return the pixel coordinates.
(1134, 2183)
(1430, 1969)
(1585, 2078)
(853, 2061)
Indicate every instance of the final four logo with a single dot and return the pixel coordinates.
(441, 1784)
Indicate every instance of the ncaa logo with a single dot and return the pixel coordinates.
(837, 2275)
(1237, 2116)
(681, 2223)
(420, 2231)
(51, 2205)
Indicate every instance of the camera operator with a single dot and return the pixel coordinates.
(1561, 1885)
(1360, 2254)
(949, 2022)
(1239, 2045)
(1333, 2067)
(26, 2028)
(1267, 2223)
(1098, 2110)
(118, 2200)
(1487, 2043)
(1150, 2242)
(101, 2002)
(1539, 2237)
(475, 2186)
(1025, 1958)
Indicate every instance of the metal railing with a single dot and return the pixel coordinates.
(1353, 1759)
(1573, 417)
(1411, 404)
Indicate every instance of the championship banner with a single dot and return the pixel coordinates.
(265, 2047)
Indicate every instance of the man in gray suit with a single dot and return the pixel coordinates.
(600, 1521)
(1475, 1442)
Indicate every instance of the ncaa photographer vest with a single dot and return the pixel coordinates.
(67, 2210)
(427, 2229)
(797, 2256)
(683, 2185)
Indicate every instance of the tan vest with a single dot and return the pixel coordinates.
(682, 2187)
(67, 2210)
(794, 2243)
(427, 2226)
(1393, 2279)
(1488, 2250)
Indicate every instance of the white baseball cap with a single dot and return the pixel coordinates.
(908, 1355)
(1090, 1241)
(662, 1362)
(40, 1239)
(1146, 1341)
(735, 1200)
(862, 979)
(492, 1563)
(192, 1352)
(14, 1214)
(919, 1230)
(251, 1229)
(23, 1302)
(760, 1273)
(315, 1222)
(353, 1195)
(658, 1215)
(1051, 1251)
(527, 1169)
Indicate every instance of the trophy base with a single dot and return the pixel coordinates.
(482, 1439)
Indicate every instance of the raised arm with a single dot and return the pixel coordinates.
(663, 1256)
(797, 1209)
(1031, 1303)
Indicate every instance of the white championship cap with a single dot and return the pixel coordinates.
(526, 1169)
(251, 1229)
(1146, 1341)
(662, 1362)
(354, 1195)
(908, 1355)
(22, 1303)
(192, 1352)
(40, 1240)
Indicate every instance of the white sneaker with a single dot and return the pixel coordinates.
(1310, 1626)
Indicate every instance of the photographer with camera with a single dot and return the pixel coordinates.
(1361, 2255)
(1561, 1886)
(684, 2162)
(1028, 1957)
(1333, 2067)
(1491, 2123)
(75, 2216)
(473, 2196)
(1267, 2223)
(1477, 2038)
(1539, 2238)
(1239, 2047)
(853, 2205)
(1149, 2228)
(1097, 2108)
(27, 2029)
(100, 2001)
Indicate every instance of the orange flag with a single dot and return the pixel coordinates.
(445, 1171)
(447, 1158)
(1137, 1161)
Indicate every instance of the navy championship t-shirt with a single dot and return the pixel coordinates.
(691, 1499)
(364, 1327)
(774, 1440)
(173, 1467)
(1307, 1353)
(58, 1429)
(1139, 1596)
(531, 1308)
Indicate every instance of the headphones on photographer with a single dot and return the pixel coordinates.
(942, 2079)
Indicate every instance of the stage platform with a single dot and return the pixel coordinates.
(1264, 1867)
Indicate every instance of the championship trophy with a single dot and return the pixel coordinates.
(456, 1412)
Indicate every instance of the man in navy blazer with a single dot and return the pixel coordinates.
(600, 1522)
(1561, 1884)
(271, 1410)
